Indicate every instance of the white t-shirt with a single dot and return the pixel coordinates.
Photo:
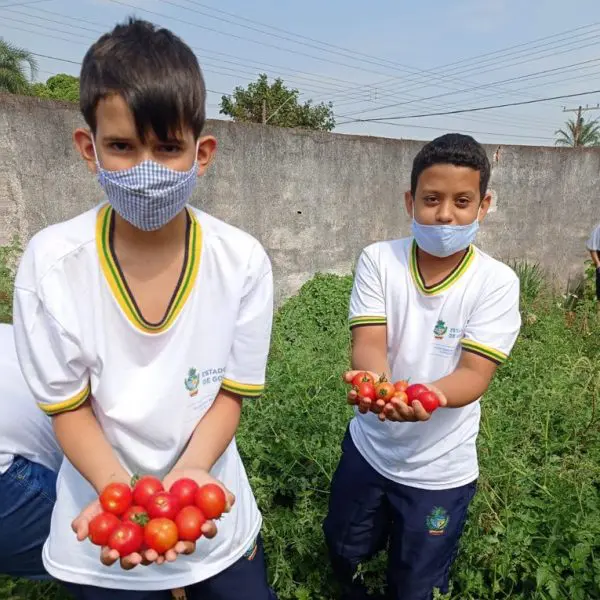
(476, 309)
(594, 240)
(24, 429)
(80, 334)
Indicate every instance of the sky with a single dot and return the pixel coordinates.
(397, 61)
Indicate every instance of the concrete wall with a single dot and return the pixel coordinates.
(313, 199)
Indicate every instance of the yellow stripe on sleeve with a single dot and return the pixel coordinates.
(246, 390)
(367, 320)
(66, 405)
(483, 350)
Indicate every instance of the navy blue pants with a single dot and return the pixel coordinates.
(244, 580)
(420, 528)
(27, 496)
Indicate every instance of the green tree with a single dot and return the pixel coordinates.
(18, 67)
(275, 104)
(579, 132)
(58, 87)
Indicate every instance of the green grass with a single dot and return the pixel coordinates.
(534, 526)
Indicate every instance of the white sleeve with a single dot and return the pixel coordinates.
(367, 302)
(594, 241)
(46, 339)
(494, 326)
(247, 363)
(49, 357)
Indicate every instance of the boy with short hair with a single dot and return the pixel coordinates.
(434, 309)
(142, 324)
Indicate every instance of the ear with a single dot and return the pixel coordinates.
(409, 203)
(82, 139)
(484, 206)
(207, 148)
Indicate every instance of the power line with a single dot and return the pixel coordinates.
(476, 132)
(480, 108)
(536, 74)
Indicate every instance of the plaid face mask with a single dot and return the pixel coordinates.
(148, 195)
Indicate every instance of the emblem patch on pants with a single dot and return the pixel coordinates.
(437, 521)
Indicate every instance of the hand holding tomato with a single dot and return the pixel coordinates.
(108, 556)
(203, 479)
(363, 392)
(421, 401)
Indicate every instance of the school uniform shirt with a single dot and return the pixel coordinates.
(80, 335)
(24, 429)
(593, 242)
(474, 309)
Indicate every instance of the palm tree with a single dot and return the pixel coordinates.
(579, 132)
(14, 64)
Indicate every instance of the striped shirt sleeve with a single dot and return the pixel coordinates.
(367, 301)
(494, 326)
(49, 357)
(247, 363)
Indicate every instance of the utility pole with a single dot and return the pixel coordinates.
(264, 111)
(578, 124)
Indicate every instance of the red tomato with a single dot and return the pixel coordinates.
(116, 498)
(163, 504)
(415, 390)
(401, 386)
(161, 535)
(366, 390)
(136, 514)
(185, 490)
(211, 500)
(401, 396)
(144, 488)
(429, 400)
(126, 539)
(384, 390)
(101, 526)
(362, 377)
(189, 523)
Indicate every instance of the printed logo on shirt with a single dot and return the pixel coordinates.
(192, 381)
(440, 329)
(437, 521)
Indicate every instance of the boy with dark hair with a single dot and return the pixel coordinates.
(434, 309)
(142, 324)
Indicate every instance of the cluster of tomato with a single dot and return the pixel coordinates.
(367, 387)
(145, 516)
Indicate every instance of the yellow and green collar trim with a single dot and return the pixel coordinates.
(118, 285)
(485, 351)
(66, 405)
(367, 320)
(246, 390)
(448, 281)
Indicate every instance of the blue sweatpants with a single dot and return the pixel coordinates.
(27, 496)
(421, 528)
(244, 580)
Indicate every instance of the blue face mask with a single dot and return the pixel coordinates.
(444, 240)
(148, 195)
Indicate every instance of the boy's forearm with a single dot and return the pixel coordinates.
(462, 387)
(595, 257)
(212, 434)
(370, 357)
(84, 444)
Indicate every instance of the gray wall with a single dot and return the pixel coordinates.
(313, 199)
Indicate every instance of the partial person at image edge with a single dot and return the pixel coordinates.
(142, 324)
(593, 245)
(29, 461)
(436, 310)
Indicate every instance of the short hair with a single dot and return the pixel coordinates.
(452, 149)
(154, 71)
